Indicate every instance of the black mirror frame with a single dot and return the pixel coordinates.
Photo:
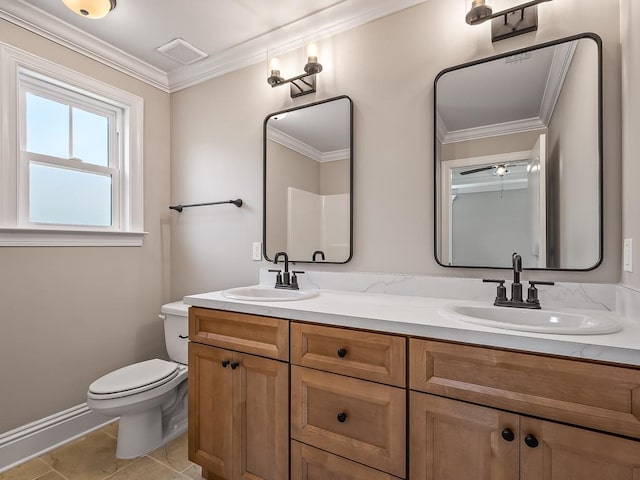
(436, 229)
(264, 179)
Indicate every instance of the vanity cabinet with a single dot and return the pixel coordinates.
(238, 402)
(451, 439)
(336, 408)
(273, 399)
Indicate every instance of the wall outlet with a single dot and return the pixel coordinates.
(257, 251)
(627, 257)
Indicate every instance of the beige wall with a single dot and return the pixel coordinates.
(573, 162)
(286, 168)
(334, 177)
(512, 142)
(387, 67)
(69, 315)
(630, 39)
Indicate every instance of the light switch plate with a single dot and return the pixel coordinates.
(627, 262)
(257, 251)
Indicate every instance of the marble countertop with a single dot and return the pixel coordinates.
(420, 316)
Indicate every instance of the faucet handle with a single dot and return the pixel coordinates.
(294, 278)
(501, 295)
(532, 291)
(278, 276)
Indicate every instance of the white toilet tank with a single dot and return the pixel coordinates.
(176, 330)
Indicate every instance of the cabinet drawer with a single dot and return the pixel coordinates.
(308, 463)
(361, 420)
(603, 397)
(264, 336)
(371, 356)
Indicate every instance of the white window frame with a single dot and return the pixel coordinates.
(20, 72)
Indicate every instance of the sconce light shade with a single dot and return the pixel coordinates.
(274, 77)
(91, 8)
(478, 11)
(312, 66)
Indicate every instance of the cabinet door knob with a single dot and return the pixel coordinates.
(342, 417)
(342, 352)
(531, 441)
(234, 365)
(508, 435)
(225, 363)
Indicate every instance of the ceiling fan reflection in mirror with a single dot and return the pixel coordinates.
(500, 169)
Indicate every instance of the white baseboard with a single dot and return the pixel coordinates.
(32, 440)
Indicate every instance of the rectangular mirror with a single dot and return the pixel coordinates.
(308, 170)
(518, 158)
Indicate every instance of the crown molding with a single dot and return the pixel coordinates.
(305, 149)
(340, 17)
(47, 26)
(336, 155)
(560, 63)
(494, 130)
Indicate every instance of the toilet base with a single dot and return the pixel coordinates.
(143, 431)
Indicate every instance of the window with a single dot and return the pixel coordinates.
(71, 158)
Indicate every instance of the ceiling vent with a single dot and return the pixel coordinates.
(181, 51)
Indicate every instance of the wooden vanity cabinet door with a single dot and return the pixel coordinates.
(568, 453)
(210, 411)
(453, 440)
(238, 415)
(260, 418)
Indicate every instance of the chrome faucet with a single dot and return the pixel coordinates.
(285, 279)
(516, 301)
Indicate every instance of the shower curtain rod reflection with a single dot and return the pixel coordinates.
(179, 208)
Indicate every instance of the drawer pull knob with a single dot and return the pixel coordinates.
(531, 441)
(342, 352)
(183, 337)
(508, 435)
(225, 363)
(342, 417)
(234, 365)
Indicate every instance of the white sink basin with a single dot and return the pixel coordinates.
(267, 294)
(540, 321)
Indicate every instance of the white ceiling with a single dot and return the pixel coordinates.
(233, 33)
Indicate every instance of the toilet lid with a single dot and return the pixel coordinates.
(137, 377)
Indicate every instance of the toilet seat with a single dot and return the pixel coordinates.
(133, 379)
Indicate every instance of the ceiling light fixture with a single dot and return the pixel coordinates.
(90, 8)
(501, 170)
(301, 84)
(506, 23)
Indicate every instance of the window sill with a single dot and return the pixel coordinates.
(40, 237)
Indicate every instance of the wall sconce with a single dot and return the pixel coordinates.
(302, 84)
(90, 8)
(506, 23)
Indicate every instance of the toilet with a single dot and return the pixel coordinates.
(150, 397)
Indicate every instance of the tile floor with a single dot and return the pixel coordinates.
(92, 457)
